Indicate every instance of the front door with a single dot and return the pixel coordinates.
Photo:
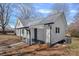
(35, 34)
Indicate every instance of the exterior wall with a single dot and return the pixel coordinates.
(55, 37)
(19, 24)
(41, 34)
(23, 33)
(32, 33)
(58, 36)
(29, 36)
(18, 32)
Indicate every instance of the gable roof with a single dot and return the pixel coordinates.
(34, 22)
(30, 22)
(50, 18)
(46, 20)
(24, 22)
(37, 21)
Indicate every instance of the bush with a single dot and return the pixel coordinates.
(74, 33)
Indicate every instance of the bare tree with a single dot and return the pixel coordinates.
(74, 27)
(25, 11)
(5, 13)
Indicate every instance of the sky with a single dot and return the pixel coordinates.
(44, 9)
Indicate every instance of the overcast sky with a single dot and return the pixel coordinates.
(44, 9)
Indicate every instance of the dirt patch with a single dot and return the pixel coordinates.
(38, 49)
(13, 48)
(48, 53)
(51, 51)
(11, 45)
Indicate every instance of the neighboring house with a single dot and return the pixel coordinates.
(49, 30)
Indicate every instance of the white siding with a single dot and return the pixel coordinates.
(19, 24)
(41, 30)
(32, 33)
(41, 34)
(23, 34)
(58, 36)
(18, 32)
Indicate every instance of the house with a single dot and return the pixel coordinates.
(48, 30)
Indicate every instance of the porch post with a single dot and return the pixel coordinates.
(50, 34)
(29, 37)
(49, 27)
(30, 40)
(20, 33)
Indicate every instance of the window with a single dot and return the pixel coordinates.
(27, 32)
(23, 31)
(57, 30)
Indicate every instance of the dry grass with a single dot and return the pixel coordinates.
(8, 36)
(8, 39)
(12, 45)
(75, 43)
(73, 48)
(67, 50)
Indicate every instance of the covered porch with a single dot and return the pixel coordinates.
(39, 34)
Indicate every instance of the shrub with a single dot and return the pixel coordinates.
(74, 33)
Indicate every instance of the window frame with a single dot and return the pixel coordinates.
(23, 31)
(57, 29)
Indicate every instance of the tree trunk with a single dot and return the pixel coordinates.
(3, 30)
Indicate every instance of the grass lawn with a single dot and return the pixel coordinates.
(73, 48)
(75, 43)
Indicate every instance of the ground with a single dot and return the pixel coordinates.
(13, 45)
(74, 47)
